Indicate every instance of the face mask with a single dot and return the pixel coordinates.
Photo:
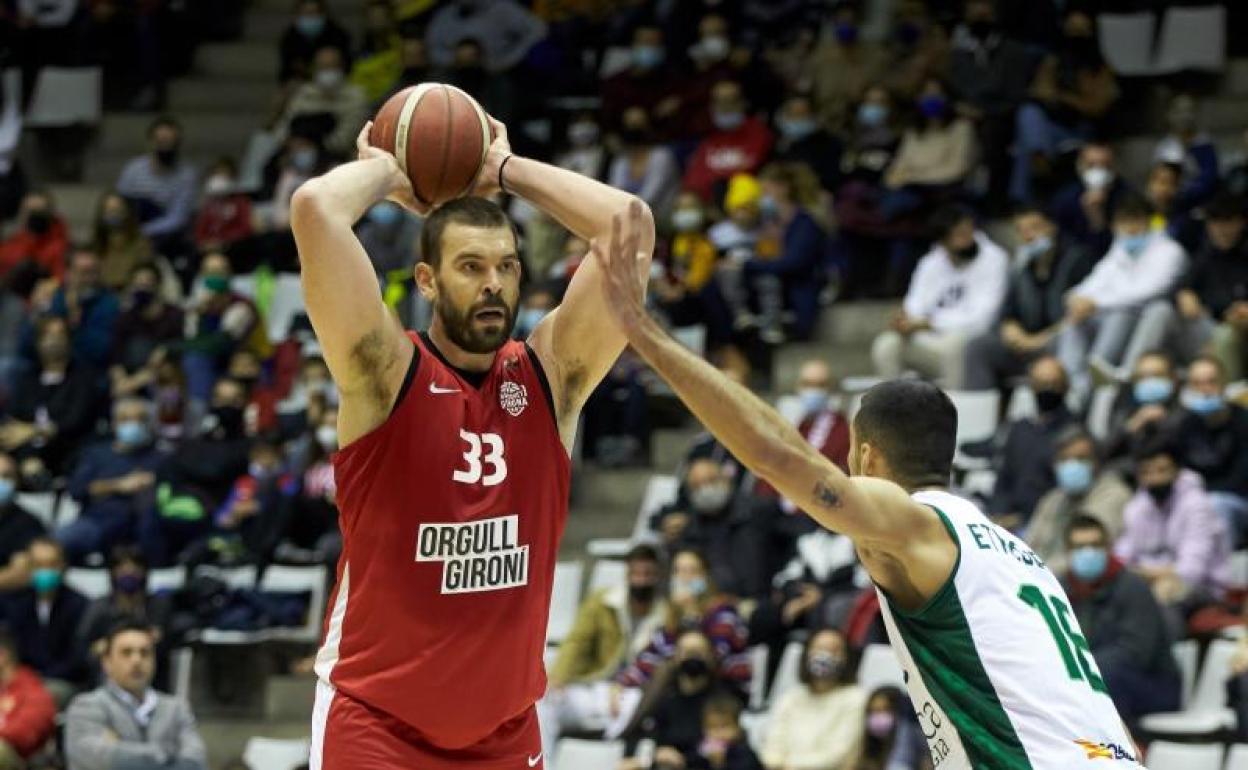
(54, 350)
(694, 668)
(7, 488)
(642, 594)
(128, 583)
(908, 33)
(880, 724)
(113, 220)
(813, 400)
(1048, 401)
(217, 284)
(693, 587)
(824, 665)
(1074, 476)
(847, 34)
(1088, 563)
(1134, 245)
(1200, 403)
(966, 253)
(1160, 492)
(167, 157)
(131, 434)
(327, 437)
(768, 207)
(38, 222)
(329, 79)
(710, 498)
(687, 220)
(1097, 177)
(260, 471)
(142, 297)
(647, 57)
(714, 48)
(310, 26)
(1039, 247)
(932, 106)
(872, 115)
(303, 160)
(229, 419)
(796, 129)
(218, 185)
(384, 214)
(981, 28)
(583, 134)
(45, 580)
(1152, 390)
(727, 121)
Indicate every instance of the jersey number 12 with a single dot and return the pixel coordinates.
(1076, 653)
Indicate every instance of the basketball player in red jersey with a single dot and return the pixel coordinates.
(453, 474)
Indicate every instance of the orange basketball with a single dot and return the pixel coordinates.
(439, 134)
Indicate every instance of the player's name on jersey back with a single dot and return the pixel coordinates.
(988, 537)
(483, 555)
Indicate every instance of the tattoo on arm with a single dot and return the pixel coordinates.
(827, 496)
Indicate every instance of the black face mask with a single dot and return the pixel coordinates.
(967, 253)
(167, 157)
(981, 28)
(633, 137)
(414, 75)
(1049, 401)
(229, 421)
(39, 222)
(694, 668)
(1160, 492)
(643, 594)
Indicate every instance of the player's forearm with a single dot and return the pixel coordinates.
(583, 205)
(343, 194)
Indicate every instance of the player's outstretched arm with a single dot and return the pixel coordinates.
(578, 341)
(364, 345)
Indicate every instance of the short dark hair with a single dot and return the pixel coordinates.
(1133, 206)
(469, 211)
(914, 424)
(7, 642)
(124, 626)
(1072, 434)
(1153, 444)
(145, 267)
(126, 554)
(1031, 209)
(1082, 520)
(642, 552)
(1223, 206)
(947, 217)
(723, 705)
(163, 121)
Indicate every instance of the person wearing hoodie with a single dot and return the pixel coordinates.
(1123, 624)
(1213, 441)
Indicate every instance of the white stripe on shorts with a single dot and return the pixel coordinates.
(325, 693)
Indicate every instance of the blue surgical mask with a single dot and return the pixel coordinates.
(1039, 246)
(647, 57)
(727, 121)
(687, 220)
(1089, 563)
(131, 434)
(1202, 404)
(1134, 245)
(933, 106)
(304, 160)
(872, 115)
(796, 129)
(384, 214)
(1152, 390)
(1074, 476)
(813, 400)
(847, 34)
(767, 206)
(310, 26)
(692, 587)
(45, 580)
(7, 488)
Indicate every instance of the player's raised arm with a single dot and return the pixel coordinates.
(577, 340)
(364, 345)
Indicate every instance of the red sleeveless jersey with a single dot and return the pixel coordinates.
(451, 514)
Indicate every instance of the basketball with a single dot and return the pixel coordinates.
(439, 134)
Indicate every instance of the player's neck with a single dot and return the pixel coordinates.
(457, 356)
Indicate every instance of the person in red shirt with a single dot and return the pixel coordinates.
(739, 144)
(224, 216)
(41, 239)
(27, 713)
(453, 475)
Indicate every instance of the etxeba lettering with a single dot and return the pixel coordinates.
(476, 556)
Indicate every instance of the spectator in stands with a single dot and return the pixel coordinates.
(56, 405)
(338, 106)
(1191, 150)
(18, 528)
(129, 601)
(1213, 441)
(259, 506)
(1173, 535)
(379, 63)
(954, 296)
(312, 533)
(126, 723)
(147, 323)
(843, 66)
(893, 739)
(219, 321)
(1122, 623)
(585, 153)
(820, 723)
(90, 309)
(1150, 403)
(120, 244)
(643, 167)
(802, 138)
(740, 142)
(689, 290)
(1213, 303)
(27, 713)
(37, 246)
(617, 424)
(918, 50)
(724, 744)
(1034, 304)
(1070, 95)
(311, 30)
(647, 83)
(1084, 488)
(1161, 190)
(505, 30)
(161, 186)
(44, 620)
(719, 528)
(113, 482)
(224, 216)
(1235, 178)
(1025, 464)
(1084, 210)
(613, 626)
(389, 235)
(936, 154)
(1101, 311)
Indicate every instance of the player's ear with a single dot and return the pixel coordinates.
(425, 281)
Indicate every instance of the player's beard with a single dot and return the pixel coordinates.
(462, 330)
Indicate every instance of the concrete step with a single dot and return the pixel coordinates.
(226, 738)
(1224, 113)
(245, 99)
(77, 203)
(1235, 78)
(126, 133)
(248, 59)
(853, 323)
(288, 698)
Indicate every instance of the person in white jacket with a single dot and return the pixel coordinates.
(1102, 310)
(955, 295)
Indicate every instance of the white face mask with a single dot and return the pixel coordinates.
(1097, 178)
(329, 79)
(218, 185)
(711, 498)
(712, 49)
(327, 437)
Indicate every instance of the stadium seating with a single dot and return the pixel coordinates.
(1206, 713)
(1164, 755)
(564, 600)
(576, 754)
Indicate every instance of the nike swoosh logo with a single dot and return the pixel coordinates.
(433, 388)
(534, 760)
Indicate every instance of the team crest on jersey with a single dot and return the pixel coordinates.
(513, 397)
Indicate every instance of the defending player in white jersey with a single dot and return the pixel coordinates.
(999, 672)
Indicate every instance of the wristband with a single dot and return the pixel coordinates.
(502, 166)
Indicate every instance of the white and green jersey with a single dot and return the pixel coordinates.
(1000, 675)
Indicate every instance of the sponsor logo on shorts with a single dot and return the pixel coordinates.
(476, 556)
(513, 397)
(1105, 750)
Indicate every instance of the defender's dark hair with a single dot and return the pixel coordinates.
(914, 425)
(470, 211)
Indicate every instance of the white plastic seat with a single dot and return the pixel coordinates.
(275, 753)
(787, 672)
(90, 582)
(1237, 757)
(1127, 41)
(1101, 410)
(575, 754)
(41, 505)
(1186, 655)
(758, 676)
(564, 600)
(607, 573)
(1192, 38)
(1206, 711)
(879, 668)
(1164, 755)
(66, 96)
